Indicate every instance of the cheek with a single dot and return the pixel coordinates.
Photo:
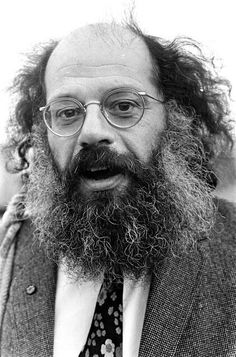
(144, 138)
(62, 150)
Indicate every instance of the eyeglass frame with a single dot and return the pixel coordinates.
(101, 105)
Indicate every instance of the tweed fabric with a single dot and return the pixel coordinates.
(9, 226)
(213, 319)
(29, 318)
(191, 309)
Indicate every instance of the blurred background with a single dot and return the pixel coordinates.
(26, 22)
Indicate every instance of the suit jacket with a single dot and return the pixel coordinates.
(191, 309)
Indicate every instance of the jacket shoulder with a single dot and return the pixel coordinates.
(211, 328)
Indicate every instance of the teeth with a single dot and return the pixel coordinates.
(93, 169)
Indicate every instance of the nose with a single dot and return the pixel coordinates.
(95, 129)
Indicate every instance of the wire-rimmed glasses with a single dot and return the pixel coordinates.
(122, 108)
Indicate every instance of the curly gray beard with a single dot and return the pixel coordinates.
(166, 208)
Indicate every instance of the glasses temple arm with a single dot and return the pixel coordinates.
(149, 96)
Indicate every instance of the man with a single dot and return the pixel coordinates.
(121, 248)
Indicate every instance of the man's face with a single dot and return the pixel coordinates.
(85, 66)
(152, 204)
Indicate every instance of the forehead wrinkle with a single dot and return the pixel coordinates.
(72, 80)
(77, 71)
(115, 81)
(76, 79)
(81, 66)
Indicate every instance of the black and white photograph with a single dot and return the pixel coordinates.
(117, 178)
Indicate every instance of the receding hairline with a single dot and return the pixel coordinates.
(111, 33)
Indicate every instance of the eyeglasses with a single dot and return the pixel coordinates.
(122, 108)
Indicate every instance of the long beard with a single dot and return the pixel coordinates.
(166, 207)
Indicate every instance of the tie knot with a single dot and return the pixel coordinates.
(114, 282)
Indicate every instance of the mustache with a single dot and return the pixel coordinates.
(96, 157)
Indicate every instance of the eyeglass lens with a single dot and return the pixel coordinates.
(64, 117)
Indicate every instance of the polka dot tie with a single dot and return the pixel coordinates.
(105, 335)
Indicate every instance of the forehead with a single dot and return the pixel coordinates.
(103, 53)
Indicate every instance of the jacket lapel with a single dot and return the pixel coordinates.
(33, 294)
(169, 305)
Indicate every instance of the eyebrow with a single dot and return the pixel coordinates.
(69, 94)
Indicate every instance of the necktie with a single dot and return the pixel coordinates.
(105, 335)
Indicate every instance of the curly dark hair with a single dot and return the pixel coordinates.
(181, 73)
(29, 89)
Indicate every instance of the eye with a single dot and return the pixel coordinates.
(123, 107)
(69, 113)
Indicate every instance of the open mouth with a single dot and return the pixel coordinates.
(102, 178)
(101, 173)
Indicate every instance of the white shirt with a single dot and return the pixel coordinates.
(74, 309)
